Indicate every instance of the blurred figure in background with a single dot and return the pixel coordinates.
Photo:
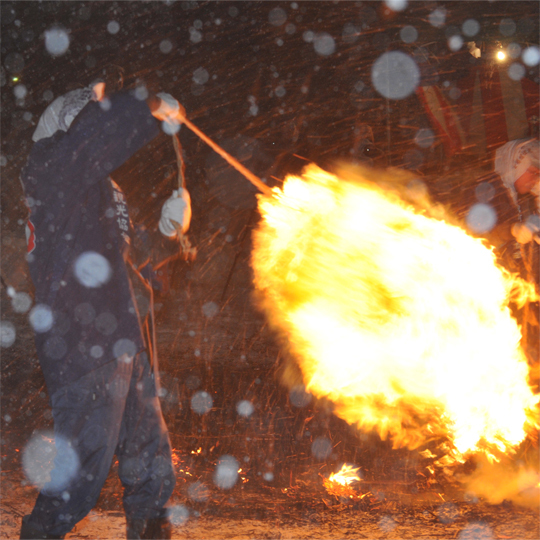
(517, 164)
(364, 150)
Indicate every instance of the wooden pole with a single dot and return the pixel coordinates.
(257, 182)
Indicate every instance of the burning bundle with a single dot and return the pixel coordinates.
(340, 484)
(395, 315)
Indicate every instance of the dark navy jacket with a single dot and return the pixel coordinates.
(75, 209)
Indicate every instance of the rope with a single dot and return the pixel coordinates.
(180, 162)
(189, 252)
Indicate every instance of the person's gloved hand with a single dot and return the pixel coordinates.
(176, 213)
(169, 110)
(524, 233)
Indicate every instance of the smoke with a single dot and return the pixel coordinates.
(506, 480)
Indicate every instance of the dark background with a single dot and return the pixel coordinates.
(211, 336)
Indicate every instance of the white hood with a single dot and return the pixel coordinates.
(61, 113)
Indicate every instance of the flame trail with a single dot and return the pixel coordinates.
(398, 317)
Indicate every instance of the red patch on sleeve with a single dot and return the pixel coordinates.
(30, 237)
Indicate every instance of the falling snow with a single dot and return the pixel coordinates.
(279, 85)
(41, 318)
(56, 41)
(226, 473)
(92, 269)
(38, 457)
(201, 402)
(395, 75)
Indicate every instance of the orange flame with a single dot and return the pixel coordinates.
(339, 484)
(397, 316)
(345, 476)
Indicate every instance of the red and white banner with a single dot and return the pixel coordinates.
(443, 117)
(30, 231)
(495, 109)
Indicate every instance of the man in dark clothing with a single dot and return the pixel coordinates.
(93, 316)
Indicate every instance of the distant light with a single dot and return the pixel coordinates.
(15, 79)
(501, 55)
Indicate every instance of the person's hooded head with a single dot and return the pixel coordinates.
(517, 164)
(61, 112)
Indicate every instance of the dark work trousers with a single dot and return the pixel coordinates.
(112, 410)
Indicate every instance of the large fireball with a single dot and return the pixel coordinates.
(396, 316)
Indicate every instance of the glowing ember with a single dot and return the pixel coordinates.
(176, 459)
(347, 475)
(339, 484)
(398, 317)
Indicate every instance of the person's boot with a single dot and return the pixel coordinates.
(31, 531)
(151, 529)
(135, 529)
(158, 529)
